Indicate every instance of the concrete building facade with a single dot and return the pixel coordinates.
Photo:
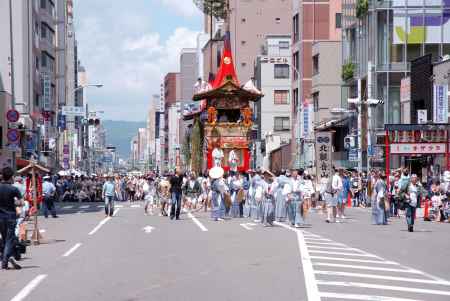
(272, 76)
(312, 21)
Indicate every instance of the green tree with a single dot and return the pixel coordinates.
(197, 146)
(215, 8)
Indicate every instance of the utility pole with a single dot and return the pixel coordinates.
(13, 92)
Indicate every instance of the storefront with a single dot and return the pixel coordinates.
(424, 148)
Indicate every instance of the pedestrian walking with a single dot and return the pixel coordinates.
(176, 183)
(281, 197)
(269, 189)
(48, 191)
(10, 199)
(217, 193)
(412, 200)
(108, 194)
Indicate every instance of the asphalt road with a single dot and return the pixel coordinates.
(136, 257)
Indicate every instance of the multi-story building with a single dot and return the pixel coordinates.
(172, 95)
(378, 46)
(30, 73)
(272, 75)
(312, 22)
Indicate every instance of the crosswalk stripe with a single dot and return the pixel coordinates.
(363, 297)
(135, 206)
(384, 287)
(324, 243)
(363, 267)
(100, 206)
(118, 206)
(383, 277)
(67, 207)
(85, 207)
(343, 253)
(332, 248)
(353, 260)
(307, 239)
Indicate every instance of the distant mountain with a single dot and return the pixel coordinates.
(120, 133)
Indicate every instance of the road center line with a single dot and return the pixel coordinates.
(102, 222)
(73, 249)
(29, 288)
(312, 290)
(197, 222)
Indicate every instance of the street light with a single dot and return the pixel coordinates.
(85, 86)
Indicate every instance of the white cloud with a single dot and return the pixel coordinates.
(184, 8)
(130, 61)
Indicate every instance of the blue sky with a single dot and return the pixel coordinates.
(129, 46)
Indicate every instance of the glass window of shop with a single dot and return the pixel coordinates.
(383, 38)
(397, 51)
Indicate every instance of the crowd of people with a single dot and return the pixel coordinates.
(259, 195)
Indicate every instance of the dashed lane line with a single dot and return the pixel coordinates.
(196, 221)
(100, 224)
(29, 288)
(73, 249)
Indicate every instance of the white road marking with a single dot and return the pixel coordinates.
(100, 206)
(343, 253)
(42, 230)
(117, 206)
(135, 206)
(29, 288)
(197, 222)
(116, 211)
(104, 221)
(363, 267)
(85, 207)
(148, 229)
(332, 248)
(324, 243)
(353, 260)
(313, 238)
(383, 277)
(67, 207)
(363, 297)
(312, 290)
(384, 287)
(248, 226)
(73, 249)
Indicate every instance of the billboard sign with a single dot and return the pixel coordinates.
(46, 92)
(72, 111)
(440, 104)
(323, 154)
(418, 148)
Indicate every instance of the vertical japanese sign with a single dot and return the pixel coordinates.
(440, 104)
(323, 154)
(46, 92)
(307, 118)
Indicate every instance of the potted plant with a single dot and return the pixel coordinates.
(348, 70)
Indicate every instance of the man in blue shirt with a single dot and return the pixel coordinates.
(48, 190)
(108, 196)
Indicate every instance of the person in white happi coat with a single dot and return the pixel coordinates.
(269, 189)
(281, 197)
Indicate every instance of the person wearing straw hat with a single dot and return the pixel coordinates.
(268, 201)
(217, 193)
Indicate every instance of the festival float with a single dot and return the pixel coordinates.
(222, 127)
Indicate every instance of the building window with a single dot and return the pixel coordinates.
(43, 60)
(283, 44)
(43, 4)
(277, 20)
(316, 101)
(295, 65)
(281, 124)
(281, 97)
(315, 64)
(338, 20)
(281, 71)
(295, 34)
(43, 31)
(295, 93)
